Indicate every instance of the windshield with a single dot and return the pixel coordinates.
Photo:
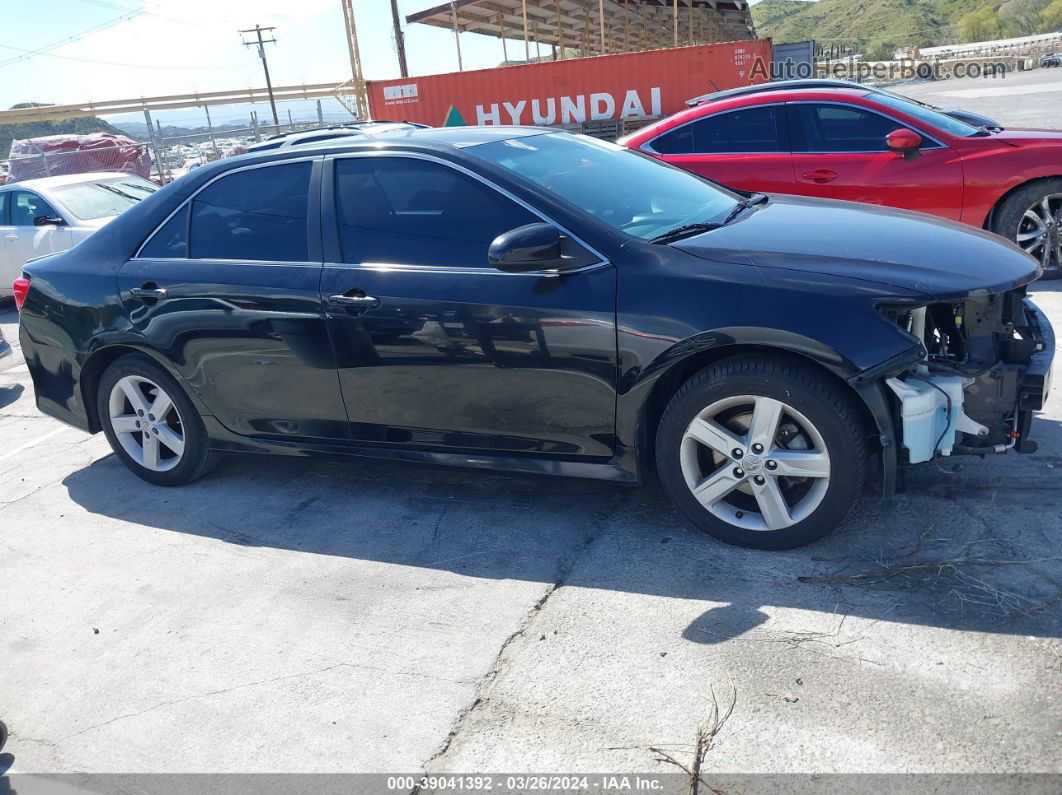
(626, 190)
(926, 114)
(103, 198)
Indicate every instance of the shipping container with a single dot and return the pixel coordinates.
(574, 91)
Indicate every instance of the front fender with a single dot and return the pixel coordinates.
(990, 184)
(737, 338)
(643, 400)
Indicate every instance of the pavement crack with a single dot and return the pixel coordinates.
(258, 683)
(564, 570)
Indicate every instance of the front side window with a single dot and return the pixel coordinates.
(414, 212)
(635, 193)
(258, 214)
(924, 113)
(746, 130)
(26, 207)
(840, 128)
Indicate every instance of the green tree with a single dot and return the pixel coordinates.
(884, 49)
(1022, 17)
(981, 25)
(1051, 17)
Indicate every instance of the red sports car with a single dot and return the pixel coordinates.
(872, 146)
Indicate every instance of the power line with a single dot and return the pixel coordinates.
(70, 39)
(154, 14)
(119, 63)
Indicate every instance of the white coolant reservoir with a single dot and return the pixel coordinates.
(924, 412)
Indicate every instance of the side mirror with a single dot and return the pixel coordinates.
(48, 220)
(533, 247)
(904, 142)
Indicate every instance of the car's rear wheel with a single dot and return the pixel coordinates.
(1032, 218)
(151, 424)
(762, 452)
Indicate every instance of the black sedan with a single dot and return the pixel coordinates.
(529, 300)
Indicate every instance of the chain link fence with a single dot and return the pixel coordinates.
(33, 159)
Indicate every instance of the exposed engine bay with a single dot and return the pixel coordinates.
(984, 369)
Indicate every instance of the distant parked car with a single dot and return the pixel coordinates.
(283, 140)
(1051, 59)
(48, 215)
(857, 144)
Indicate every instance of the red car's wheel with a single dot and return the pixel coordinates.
(1032, 218)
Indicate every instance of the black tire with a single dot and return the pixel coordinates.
(197, 458)
(1007, 216)
(822, 401)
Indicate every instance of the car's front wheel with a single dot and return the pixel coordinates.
(151, 424)
(762, 452)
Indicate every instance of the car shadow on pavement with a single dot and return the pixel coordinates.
(9, 394)
(971, 545)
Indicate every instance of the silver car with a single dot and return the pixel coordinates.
(44, 216)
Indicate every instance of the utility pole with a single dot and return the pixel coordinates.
(260, 44)
(361, 97)
(400, 39)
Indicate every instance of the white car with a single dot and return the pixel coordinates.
(5, 352)
(42, 216)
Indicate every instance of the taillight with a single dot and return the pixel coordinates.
(21, 287)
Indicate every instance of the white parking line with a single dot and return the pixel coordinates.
(27, 445)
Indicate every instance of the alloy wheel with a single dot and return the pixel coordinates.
(146, 423)
(1040, 231)
(755, 462)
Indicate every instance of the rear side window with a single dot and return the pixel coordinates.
(259, 214)
(171, 240)
(747, 130)
(412, 212)
(840, 128)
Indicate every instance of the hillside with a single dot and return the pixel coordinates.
(90, 124)
(876, 28)
(852, 22)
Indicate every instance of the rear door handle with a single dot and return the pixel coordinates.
(355, 301)
(11, 237)
(820, 175)
(150, 293)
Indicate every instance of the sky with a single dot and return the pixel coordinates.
(120, 49)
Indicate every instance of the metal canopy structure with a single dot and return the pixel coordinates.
(595, 26)
(103, 108)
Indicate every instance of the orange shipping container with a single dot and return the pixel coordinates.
(651, 83)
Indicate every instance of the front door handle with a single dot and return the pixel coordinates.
(820, 175)
(149, 293)
(354, 301)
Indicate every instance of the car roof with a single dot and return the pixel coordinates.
(43, 183)
(416, 138)
(780, 85)
(437, 140)
(352, 128)
(287, 140)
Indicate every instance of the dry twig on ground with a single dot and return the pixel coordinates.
(705, 736)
